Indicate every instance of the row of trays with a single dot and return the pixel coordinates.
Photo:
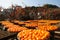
(55, 35)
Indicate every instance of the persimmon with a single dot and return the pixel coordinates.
(31, 25)
(48, 27)
(16, 29)
(33, 35)
(19, 22)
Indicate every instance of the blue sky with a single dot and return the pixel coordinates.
(7, 3)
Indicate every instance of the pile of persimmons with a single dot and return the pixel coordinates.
(41, 31)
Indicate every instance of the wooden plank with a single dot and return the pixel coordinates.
(5, 34)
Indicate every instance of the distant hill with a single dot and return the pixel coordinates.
(48, 11)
